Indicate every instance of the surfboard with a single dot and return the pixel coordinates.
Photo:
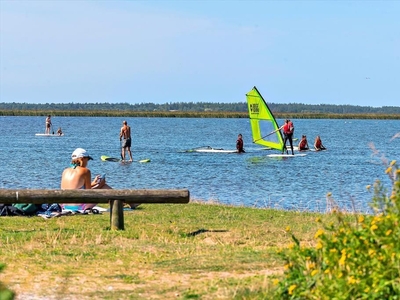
(48, 134)
(286, 155)
(114, 159)
(208, 149)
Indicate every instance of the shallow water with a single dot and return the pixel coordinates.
(250, 179)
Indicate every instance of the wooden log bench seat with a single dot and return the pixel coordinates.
(116, 198)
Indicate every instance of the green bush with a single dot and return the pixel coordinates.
(5, 294)
(358, 257)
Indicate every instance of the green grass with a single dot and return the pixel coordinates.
(188, 251)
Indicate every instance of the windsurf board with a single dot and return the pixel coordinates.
(286, 155)
(208, 149)
(48, 134)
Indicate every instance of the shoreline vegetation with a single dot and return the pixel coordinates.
(198, 110)
(195, 114)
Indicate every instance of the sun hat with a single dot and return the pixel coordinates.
(79, 152)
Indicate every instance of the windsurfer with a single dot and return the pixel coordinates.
(239, 144)
(288, 130)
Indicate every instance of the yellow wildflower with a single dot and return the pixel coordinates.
(333, 250)
(361, 219)
(351, 280)
(373, 227)
(275, 282)
(315, 272)
(318, 220)
(319, 233)
(319, 245)
(388, 232)
(291, 289)
(327, 271)
(388, 170)
(329, 194)
(371, 252)
(342, 260)
(392, 163)
(287, 229)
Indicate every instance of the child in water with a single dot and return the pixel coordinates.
(59, 131)
(303, 145)
(318, 144)
(239, 144)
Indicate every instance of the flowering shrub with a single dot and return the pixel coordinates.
(357, 259)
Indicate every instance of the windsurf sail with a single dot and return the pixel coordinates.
(263, 124)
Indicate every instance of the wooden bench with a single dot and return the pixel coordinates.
(116, 198)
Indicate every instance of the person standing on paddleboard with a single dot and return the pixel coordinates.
(125, 137)
(239, 144)
(48, 124)
(288, 129)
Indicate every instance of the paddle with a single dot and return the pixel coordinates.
(120, 149)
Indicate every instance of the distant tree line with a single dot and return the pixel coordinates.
(239, 107)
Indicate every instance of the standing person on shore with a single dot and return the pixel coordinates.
(48, 124)
(125, 137)
(239, 144)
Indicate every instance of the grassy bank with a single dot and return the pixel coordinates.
(196, 251)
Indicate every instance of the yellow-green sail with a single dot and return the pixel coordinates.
(262, 121)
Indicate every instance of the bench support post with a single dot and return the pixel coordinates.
(117, 215)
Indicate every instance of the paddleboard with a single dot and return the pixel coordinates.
(114, 159)
(208, 149)
(48, 134)
(286, 155)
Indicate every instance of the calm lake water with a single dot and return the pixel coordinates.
(250, 179)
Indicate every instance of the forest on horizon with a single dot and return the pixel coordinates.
(198, 110)
(200, 107)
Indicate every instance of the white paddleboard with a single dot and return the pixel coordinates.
(214, 151)
(208, 149)
(48, 134)
(286, 155)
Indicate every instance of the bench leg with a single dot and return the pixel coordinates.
(117, 215)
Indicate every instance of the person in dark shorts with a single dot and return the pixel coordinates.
(48, 124)
(239, 144)
(126, 141)
(288, 130)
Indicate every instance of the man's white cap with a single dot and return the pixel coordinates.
(79, 152)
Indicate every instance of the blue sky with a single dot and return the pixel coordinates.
(312, 52)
